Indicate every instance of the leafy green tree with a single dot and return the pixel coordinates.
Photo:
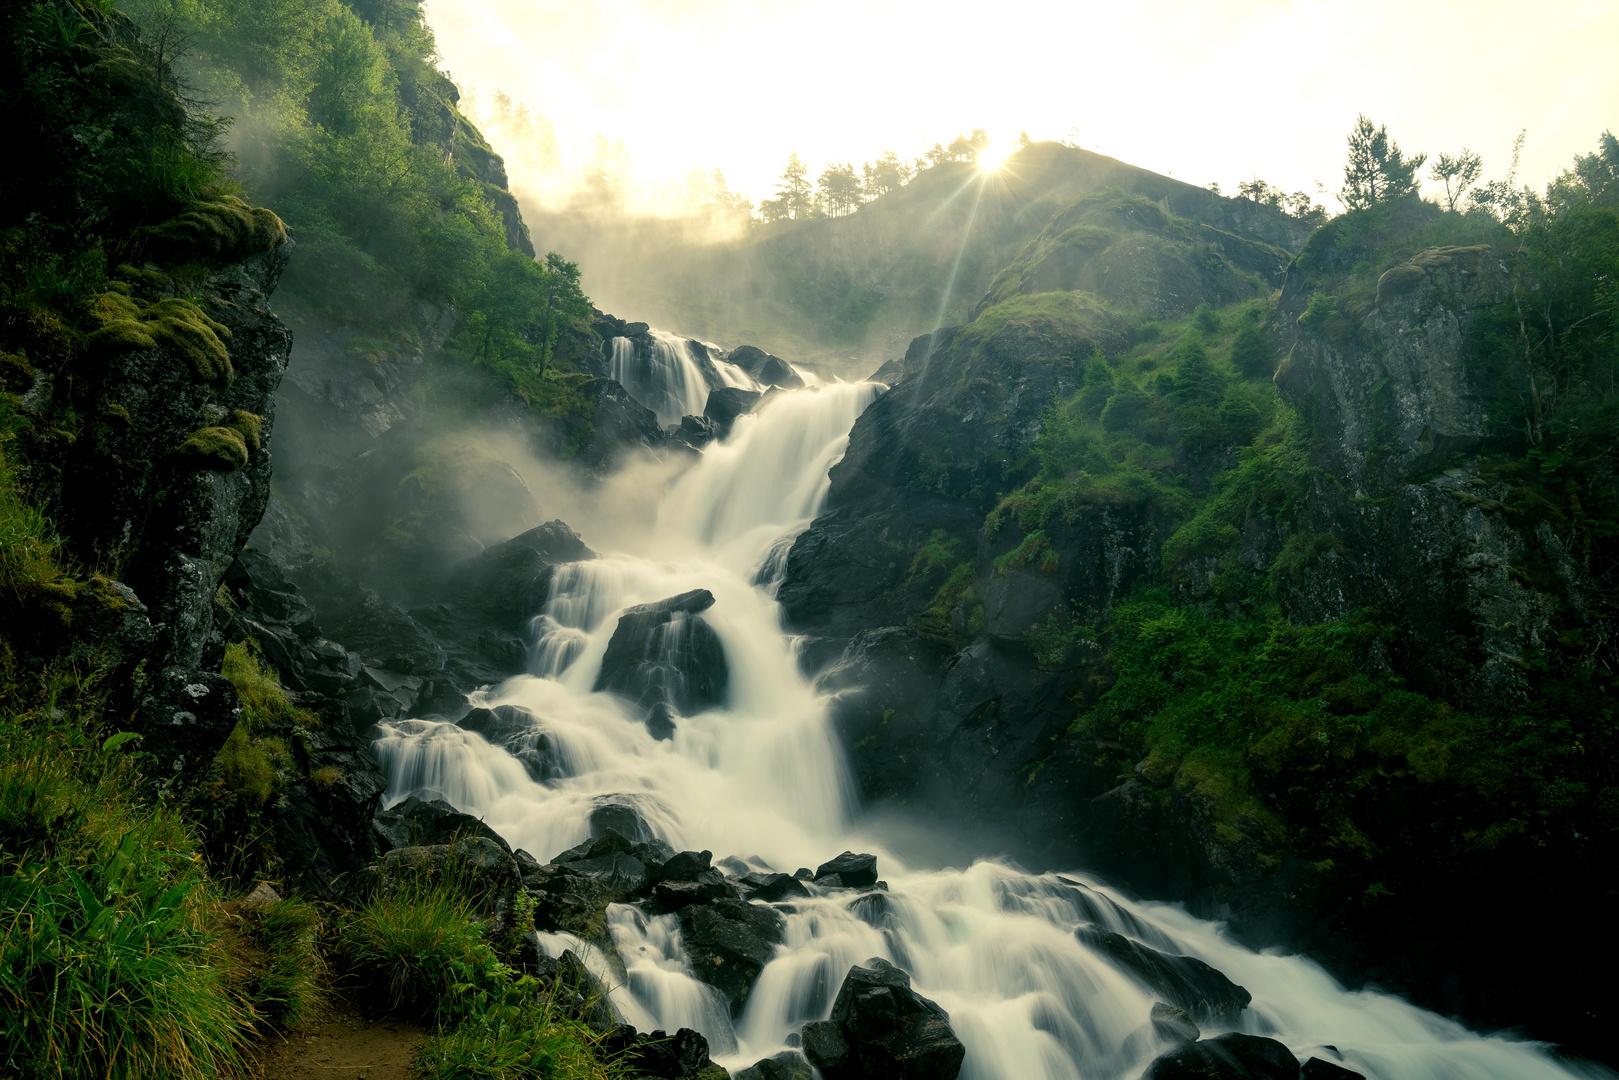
(1457, 174)
(1377, 170)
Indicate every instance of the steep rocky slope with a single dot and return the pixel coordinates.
(1066, 532)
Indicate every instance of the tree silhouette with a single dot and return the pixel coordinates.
(795, 198)
(838, 190)
(1457, 174)
(884, 175)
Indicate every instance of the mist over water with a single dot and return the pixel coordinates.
(763, 780)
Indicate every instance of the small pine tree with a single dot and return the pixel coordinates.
(795, 198)
(1377, 170)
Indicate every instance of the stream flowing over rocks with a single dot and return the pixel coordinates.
(681, 816)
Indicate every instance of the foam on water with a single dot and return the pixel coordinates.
(764, 779)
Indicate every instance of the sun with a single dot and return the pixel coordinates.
(993, 156)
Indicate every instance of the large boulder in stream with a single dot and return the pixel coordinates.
(508, 583)
(665, 652)
(1233, 1056)
(881, 1029)
(726, 404)
(729, 942)
(1186, 982)
(670, 1057)
(765, 368)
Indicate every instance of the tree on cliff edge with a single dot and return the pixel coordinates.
(1377, 170)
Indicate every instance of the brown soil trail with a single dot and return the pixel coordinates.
(339, 1044)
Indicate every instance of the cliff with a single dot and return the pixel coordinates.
(1289, 650)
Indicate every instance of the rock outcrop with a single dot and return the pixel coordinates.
(665, 653)
(881, 1029)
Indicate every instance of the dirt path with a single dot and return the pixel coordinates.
(341, 1044)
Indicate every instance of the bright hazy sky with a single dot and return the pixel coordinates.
(1213, 90)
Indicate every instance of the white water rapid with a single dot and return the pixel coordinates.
(763, 780)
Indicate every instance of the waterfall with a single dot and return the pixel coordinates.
(762, 779)
(667, 378)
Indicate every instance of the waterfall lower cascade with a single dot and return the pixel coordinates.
(761, 779)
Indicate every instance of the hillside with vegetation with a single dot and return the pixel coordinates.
(847, 284)
(1257, 561)
(153, 766)
(1276, 584)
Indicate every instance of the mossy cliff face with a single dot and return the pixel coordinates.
(163, 466)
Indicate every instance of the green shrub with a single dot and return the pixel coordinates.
(512, 1040)
(1251, 353)
(288, 986)
(411, 948)
(106, 965)
(1127, 409)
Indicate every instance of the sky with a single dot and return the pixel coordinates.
(1216, 90)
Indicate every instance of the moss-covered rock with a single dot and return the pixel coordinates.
(216, 230)
(127, 323)
(221, 448)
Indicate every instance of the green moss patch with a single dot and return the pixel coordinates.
(178, 324)
(217, 230)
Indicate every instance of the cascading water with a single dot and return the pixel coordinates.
(666, 378)
(763, 780)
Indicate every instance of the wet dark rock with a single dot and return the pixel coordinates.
(1173, 1024)
(527, 865)
(728, 943)
(853, 871)
(566, 901)
(1320, 1069)
(660, 722)
(184, 719)
(417, 821)
(694, 432)
(508, 583)
(324, 829)
(787, 1065)
(670, 1057)
(685, 866)
(1232, 1056)
(619, 426)
(825, 1046)
(888, 1031)
(518, 732)
(706, 887)
(607, 842)
(654, 853)
(889, 373)
(726, 404)
(618, 872)
(665, 652)
(621, 814)
(770, 887)
(1186, 982)
(765, 368)
(576, 991)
